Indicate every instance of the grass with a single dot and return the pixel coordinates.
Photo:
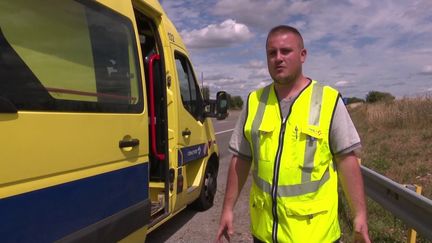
(396, 138)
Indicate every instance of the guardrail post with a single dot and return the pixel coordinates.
(412, 234)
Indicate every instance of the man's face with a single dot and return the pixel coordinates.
(285, 57)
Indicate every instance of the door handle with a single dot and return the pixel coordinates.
(186, 133)
(129, 143)
(159, 156)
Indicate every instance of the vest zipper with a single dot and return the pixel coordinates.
(276, 181)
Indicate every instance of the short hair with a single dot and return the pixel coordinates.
(285, 29)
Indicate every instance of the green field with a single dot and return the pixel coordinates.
(396, 142)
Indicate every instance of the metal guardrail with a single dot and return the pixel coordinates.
(414, 209)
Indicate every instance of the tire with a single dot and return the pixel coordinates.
(208, 189)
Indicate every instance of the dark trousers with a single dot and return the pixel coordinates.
(255, 240)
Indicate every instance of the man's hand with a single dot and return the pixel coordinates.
(225, 227)
(237, 175)
(360, 234)
(352, 183)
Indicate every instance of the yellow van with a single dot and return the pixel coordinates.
(104, 131)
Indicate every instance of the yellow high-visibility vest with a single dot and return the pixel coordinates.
(294, 192)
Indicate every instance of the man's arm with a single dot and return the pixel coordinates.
(237, 175)
(352, 184)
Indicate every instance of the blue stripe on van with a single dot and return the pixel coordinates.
(51, 213)
(191, 153)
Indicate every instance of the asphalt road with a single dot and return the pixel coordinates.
(196, 227)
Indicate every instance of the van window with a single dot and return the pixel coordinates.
(68, 56)
(189, 90)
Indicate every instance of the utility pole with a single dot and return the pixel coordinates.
(202, 80)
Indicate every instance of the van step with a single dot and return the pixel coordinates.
(191, 189)
(156, 207)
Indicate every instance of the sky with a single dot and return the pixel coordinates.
(355, 46)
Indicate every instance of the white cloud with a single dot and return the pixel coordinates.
(218, 76)
(263, 84)
(256, 13)
(257, 70)
(233, 78)
(344, 83)
(178, 12)
(261, 73)
(225, 34)
(427, 70)
(254, 64)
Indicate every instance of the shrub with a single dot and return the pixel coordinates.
(376, 96)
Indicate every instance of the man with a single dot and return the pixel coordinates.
(297, 136)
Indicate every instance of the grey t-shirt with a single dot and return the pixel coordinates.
(343, 135)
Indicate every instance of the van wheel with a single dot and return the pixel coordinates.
(208, 190)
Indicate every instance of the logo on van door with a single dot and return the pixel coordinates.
(171, 37)
(188, 154)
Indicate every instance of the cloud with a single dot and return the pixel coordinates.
(344, 83)
(257, 13)
(224, 34)
(261, 73)
(397, 84)
(218, 77)
(427, 70)
(263, 83)
(254, 64)
(256, 70)
(178, 12)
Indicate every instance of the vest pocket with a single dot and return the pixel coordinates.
(306, 209)
(313, 143)
(265, 133)
(261, 218)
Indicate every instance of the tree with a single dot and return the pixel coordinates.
(351, 100)
(237, 102)
(234, 102)
(376, 96)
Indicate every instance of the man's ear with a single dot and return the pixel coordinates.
(303, 55)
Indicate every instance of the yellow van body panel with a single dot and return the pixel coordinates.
(39, 152)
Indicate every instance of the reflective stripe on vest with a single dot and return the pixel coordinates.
(291, 190)
(307, 186)
(256, 123)
(314, 115)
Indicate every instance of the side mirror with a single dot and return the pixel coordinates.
(221, 105)
(217, 108)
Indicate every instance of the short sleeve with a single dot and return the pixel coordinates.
(343, 135)
(238, 144)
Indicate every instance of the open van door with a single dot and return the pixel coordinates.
(149, 30)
